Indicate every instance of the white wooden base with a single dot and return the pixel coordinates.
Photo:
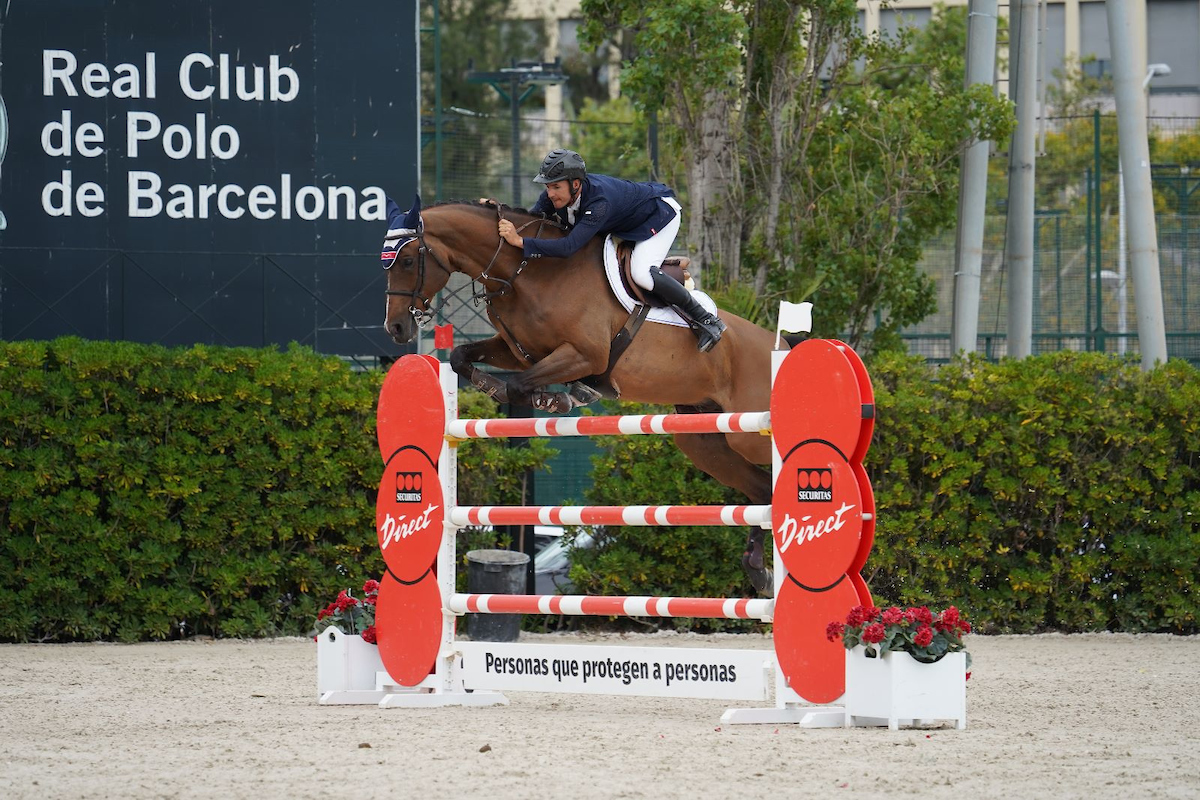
(426, 699)
(347, 670)
(804, 716)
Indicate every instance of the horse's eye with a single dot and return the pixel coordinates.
(406, 262)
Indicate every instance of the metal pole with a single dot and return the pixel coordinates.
(1122, 271)
(1098, 229)
(972, 192)
(1087, 273)
(1135, 157)
(437, 102)
(515, 99)
(1021, 184)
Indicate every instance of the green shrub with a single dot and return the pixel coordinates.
(667, 561)
(1060, 492)
(148, 493)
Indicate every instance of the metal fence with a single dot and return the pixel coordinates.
(1083, 297)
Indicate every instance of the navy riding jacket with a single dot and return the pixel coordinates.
(633, 211)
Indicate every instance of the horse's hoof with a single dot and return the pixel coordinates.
(752, 559)
(581, 394)
(761, 578)
(552, 402)
(763, 581)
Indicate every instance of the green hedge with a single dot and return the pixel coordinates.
(149, 492)
(1060, 492)
(156, 493)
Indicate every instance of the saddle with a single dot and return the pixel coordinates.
(675, 267)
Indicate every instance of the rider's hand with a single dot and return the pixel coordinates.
(508, 232)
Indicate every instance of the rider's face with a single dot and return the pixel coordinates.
(559, 193)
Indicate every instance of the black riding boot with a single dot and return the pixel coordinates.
(707, 326)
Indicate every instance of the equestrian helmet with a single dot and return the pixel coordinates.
(561, 165)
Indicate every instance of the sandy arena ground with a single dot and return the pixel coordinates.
(1094, 716)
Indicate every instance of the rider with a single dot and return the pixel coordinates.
(595, 204)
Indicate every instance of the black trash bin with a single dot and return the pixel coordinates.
(495, 572)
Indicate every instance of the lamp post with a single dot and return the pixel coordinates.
(1122, 271)
(508, 83)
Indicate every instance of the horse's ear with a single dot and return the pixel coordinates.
(412, 219)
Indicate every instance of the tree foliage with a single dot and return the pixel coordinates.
(818, 156)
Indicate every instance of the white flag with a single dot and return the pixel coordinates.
(795, 317)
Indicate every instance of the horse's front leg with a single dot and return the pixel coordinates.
(564, 365)
(493, 352)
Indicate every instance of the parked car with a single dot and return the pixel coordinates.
(552, 564)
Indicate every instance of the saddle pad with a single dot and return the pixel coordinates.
(667, 315)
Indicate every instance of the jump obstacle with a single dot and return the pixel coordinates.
(822, 517)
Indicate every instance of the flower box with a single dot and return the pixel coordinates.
(347, 669)
(895, 689)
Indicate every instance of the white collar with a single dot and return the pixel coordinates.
(573, 209)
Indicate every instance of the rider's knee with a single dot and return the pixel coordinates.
(643, 276)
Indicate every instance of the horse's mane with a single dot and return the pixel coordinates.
(492, 210)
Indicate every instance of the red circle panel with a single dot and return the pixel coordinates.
(408, 627)
(409, 514)
(814, 667)
(816, 395)
(868, 398)
(411, 408)
(868, 529)
(817, 528)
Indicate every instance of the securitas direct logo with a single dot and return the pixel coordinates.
(408, 487)
(814, 485)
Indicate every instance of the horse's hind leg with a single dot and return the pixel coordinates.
(713, 455)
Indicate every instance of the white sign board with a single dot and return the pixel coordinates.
(643, 671)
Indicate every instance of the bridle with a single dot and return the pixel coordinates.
(423, 317)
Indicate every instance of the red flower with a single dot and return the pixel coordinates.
(368, 635)
(345, 601)
(948, 620)
(371, 587)
(323, 613)
(903, 629)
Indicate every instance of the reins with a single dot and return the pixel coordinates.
(507, 285)
(424, 317)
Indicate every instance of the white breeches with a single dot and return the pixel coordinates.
(653, 251)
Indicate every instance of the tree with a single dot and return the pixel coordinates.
(819, 156)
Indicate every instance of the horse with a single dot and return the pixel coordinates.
(556, 320)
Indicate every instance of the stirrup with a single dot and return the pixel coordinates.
(708, 333)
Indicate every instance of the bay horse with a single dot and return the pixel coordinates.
(556, 320)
